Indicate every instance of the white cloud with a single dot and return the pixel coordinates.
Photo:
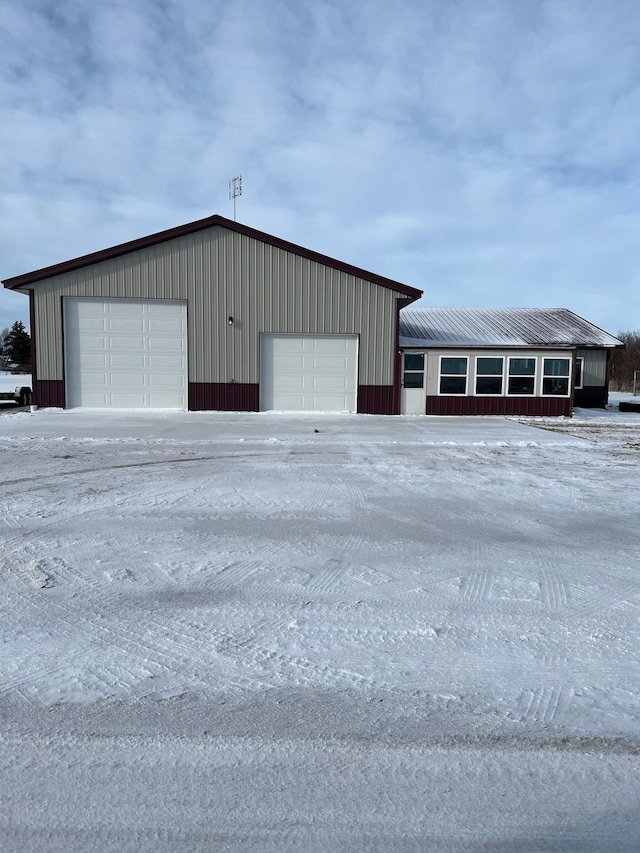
(483, 152)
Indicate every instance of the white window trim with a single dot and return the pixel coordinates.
(489, 375)
(567, 377)
(466, 375)
(533, 375)
(580, 359)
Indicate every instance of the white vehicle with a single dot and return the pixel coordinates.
(15, 389)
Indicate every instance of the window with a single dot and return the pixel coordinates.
(489, 375)
(522, 376)
(579, 371)
(413, 374)
(453, 375)
(555, 377)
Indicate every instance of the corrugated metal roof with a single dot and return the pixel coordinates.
(499, 327)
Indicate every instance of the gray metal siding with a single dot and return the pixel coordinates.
(222, 273)
(594, 367)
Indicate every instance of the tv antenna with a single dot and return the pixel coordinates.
(235, 189)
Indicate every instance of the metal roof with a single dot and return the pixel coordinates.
(499, 327)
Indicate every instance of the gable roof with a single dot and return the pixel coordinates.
(19, 281)
(499, 327)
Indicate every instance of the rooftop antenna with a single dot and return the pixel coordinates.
(235, 189)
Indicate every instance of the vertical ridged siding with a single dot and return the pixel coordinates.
(530, 406)
(221, 273)
(594, 367)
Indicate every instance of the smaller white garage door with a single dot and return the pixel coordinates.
(125, 353)
(308, 373)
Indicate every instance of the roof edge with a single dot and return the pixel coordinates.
(18, 281)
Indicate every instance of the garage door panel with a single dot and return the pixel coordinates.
(131, 361)
(88, 326)
(96, 341)
(165, 327)
(330, 364)
(169, 380)
(162, 344)
(166, 362)
(308, 373)
(331, 384)
(113, 357)
(126, 325)
(126, 308)
(95, 361)
(132, 400)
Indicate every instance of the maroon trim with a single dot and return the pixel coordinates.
(223, 397)
(591, 396)
(541, 406)
(32, 330)
(376, 399)
(49, 392)
(201, 225)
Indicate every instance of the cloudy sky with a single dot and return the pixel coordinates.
(484, 151)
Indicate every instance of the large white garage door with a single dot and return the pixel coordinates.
(125, 353)
(307, 373)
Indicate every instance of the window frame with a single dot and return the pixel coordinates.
(464, 393)
(489, 375)
(566, 377)
(580, 359)
(422, 371)
(533, 376)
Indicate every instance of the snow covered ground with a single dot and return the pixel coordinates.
(319, 633)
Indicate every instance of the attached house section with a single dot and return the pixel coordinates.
(519, 361)
(214, 315)
(498, 382)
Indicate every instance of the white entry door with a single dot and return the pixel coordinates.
(125, 353)
(308, 373)
(414, 398)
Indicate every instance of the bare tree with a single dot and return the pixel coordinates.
(625, 361)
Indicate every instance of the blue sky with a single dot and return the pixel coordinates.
(484, 152)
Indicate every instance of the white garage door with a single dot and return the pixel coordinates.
(125, 353)
(306, 373)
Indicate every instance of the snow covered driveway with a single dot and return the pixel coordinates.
(300, 633)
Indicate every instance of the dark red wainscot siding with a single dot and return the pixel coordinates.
(537, 406)
(376, 400)
(223, 397)
(49, 392)
(591, 397)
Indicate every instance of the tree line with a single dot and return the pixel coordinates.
(625, 361)
(15, 349)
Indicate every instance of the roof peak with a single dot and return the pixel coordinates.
(19, 281)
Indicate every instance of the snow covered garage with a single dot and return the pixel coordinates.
(214, 315)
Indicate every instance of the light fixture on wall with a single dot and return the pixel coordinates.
(230, 321)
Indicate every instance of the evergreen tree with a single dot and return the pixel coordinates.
(4, 361)
(16, 347)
